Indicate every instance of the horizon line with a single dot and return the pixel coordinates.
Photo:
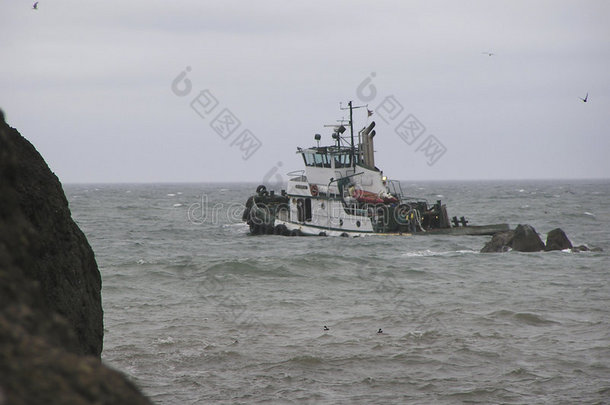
(597, 179)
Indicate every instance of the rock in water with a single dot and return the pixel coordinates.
(500, 242)
(557, 240)
(50, 303)
(523, 239)
(526, 239)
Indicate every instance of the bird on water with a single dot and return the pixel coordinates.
(584, 100)
(35, 6)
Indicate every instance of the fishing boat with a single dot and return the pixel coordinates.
(341, 192)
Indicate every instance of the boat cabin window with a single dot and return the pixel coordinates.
(343, 160)
(308, 157)
(322, 160)
(317, 159)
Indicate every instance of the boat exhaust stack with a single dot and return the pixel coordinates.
(367, 151)
(370, 160)
(368, 129)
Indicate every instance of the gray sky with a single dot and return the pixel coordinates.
(90, 85)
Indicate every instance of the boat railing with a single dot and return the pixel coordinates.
(296, 173)
(341, 186)
(414, 199)
(395, 188)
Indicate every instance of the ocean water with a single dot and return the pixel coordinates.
(196, 311)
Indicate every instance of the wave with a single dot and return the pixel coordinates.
(527, 318)
(532, 319)
(418, 335)
(164, 341)
(249, 267)
(428, 252)
(306, 360)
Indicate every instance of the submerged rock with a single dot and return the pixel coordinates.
(557, 240)
(584, 248)
(51, 328)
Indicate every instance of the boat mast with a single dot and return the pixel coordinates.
(351, 129)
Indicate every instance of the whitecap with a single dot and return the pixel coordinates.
(140, 261)
(171, 195)
(428, 252)
(589, 214)
(177, 205)
(233, 225)
(167, 341)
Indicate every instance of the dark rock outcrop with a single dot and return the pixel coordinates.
(500, 242)
(526, 239)
(50, 303)
(66, 269)
(523, 238)
(557, 240)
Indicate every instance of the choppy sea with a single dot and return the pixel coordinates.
(196, 311)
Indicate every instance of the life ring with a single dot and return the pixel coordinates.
(314, 189)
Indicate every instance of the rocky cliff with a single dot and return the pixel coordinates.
(51, 320)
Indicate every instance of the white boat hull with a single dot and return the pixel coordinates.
(310, 230)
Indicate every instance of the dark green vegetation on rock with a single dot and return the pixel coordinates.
(51, 320)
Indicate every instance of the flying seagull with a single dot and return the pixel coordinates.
(488, 53)
(35, 6)
(584, 100)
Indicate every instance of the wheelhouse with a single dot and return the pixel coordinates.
(329, 157)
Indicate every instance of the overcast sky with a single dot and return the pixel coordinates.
(95, 86)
